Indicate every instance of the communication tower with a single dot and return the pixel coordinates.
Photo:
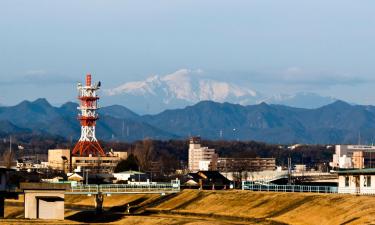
(88, 104)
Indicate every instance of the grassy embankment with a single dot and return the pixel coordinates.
(226, 207)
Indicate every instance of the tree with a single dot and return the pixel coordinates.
(7, 159)
(145, 153)
(131, 163)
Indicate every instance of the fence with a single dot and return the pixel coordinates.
(173, 186)
(247, 185)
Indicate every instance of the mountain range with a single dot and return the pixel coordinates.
(338, 122)
(187, 87)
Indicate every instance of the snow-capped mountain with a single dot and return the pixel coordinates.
(178, 89)
(187, 87)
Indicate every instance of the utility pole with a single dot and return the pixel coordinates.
(10, 144)
(289, 171)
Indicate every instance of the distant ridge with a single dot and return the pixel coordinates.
(338, 122)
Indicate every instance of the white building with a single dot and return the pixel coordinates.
(359, 181)
(346, 156)
(200, 158)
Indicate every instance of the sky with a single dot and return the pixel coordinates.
(272, 46)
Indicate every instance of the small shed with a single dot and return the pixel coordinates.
(44, 200)
(357, 181)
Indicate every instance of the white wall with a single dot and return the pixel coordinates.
(31, 203)
(51, 210)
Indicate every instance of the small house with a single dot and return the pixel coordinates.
(134, 176)
(357, 181)
(209, 180)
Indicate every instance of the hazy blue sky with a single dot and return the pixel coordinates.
(327, 47)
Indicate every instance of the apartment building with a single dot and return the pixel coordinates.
(201, 158)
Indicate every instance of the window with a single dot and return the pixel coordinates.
(367, 181)
(346, 181)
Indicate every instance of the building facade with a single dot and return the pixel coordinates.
(358, 181)
(353, 156)
(201, 158)
(246, 164)
(61, 159)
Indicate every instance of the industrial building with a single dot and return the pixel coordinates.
(353, 156)
(201, 158)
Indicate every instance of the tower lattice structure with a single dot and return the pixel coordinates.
(88, 98)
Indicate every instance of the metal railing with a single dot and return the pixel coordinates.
(246, 185)
(172, 187)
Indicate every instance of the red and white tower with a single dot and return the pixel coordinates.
(88, 144)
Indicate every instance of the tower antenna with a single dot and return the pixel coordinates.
(88, 99)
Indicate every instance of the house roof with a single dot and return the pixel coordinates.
(75, 177)
(132, 172)
(356, 171)
(207, 175)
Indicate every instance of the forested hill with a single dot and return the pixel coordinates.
(338, 122)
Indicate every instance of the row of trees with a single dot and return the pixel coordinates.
(170, 155)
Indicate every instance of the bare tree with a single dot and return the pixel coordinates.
(7, 159)
(145, 153)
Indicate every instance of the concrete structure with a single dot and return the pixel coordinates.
(359, 181)
(246, 164)
(44, 201)
(353, 156)
(61, 159)
(201, 158)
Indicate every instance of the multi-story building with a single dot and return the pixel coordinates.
(245, 164)
(61, 159)
(201, 158)
(353, 156)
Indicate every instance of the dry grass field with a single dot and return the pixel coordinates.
(290, 208)
(193, 207)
